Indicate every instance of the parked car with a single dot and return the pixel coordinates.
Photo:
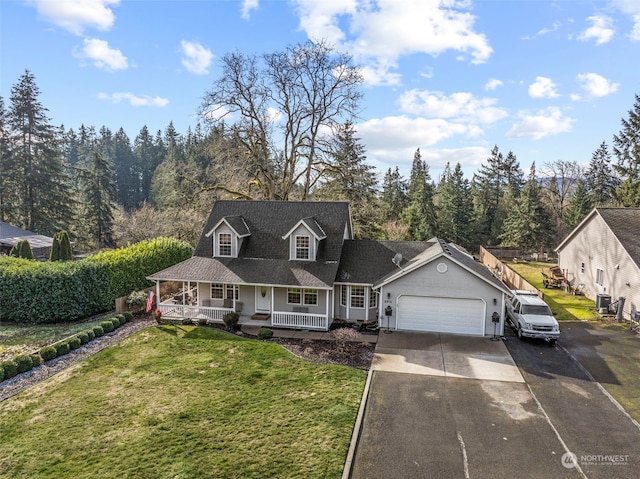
(531, 317)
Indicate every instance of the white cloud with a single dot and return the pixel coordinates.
(493, 84)
(247, 6)
(383, 31)
(601, 30)
(134, 100)
(549, 121)
(596, 85)
(102, 55)
(461, 106)
(543, 88)
(77, 15)
(196, 58)
(631, 8)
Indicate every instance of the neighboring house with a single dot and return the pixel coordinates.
(296, 265)
(601, 256)
(11, 235)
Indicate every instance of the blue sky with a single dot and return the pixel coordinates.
(547, 80)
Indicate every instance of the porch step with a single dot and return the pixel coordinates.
(261, 316)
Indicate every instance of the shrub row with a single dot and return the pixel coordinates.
(24, 362)
(50, 292)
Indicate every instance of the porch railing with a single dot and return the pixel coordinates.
(300, 320)
(170, 310)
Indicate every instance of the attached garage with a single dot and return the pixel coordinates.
(441, 314)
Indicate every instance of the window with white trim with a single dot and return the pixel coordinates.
(294, 296)
(217, 291)
(224, 244)
(231, 291)
(343, 295)
(373, 298)
(310, 297)
(303, 248)
(599, 277)
(357, 296)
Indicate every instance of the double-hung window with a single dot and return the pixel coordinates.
(224, 244)
(217, 291)
(344, 292)
(310, 297)
(294, 296)
(357, 296)
(303, 248)
(599, 277)
(373, 298)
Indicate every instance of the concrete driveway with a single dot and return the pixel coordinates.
(450, 406)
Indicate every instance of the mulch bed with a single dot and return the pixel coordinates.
(355, 354)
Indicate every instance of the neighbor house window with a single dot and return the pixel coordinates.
(599, 277)
(224, 244)
(294, 296)
(582, 267)
(357, 296)
(302, 247)
(310, 297)
(217, 291)
(343, 295)
(373, 299)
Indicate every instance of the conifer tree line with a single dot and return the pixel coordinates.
(109, 190)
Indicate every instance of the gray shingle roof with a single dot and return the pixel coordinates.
(625, 224)
(238, 225)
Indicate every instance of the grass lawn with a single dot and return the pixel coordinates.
(183, 402)
(566, 306)
(17, 338)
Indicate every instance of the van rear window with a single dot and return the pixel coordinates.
(540, 310)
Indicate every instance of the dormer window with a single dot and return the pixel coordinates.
(302, 247)
(224, 244)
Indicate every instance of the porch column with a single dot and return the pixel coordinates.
(157, 294)
(273, 298)
(367, 292)
(327, 306)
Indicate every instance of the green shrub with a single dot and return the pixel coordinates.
(265, 333)
(91, 334)
(122, 318)
(83, 336)
(62, 348)
(56, 291)
(116, 322)
(48, 353)
(10, 368)
(202, 321)
(98, 331)
(1, 374)
(36, 359)
(24, 363)
(74, 342)
(128, 315)
(231, 320)
(107, 326)
(187, 321)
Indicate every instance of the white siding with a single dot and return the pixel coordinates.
(596, 246)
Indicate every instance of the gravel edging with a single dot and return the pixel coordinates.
(17, 384)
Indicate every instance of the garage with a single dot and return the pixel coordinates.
(442, 315)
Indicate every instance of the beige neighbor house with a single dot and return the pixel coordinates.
(601, 257)
(296, 265)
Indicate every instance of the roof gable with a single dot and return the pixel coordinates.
(235, 223)
(311, 225)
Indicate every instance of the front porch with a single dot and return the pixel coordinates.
(278, 319)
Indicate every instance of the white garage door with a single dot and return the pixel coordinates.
(442, 315)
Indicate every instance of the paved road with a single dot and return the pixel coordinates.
(419, 426)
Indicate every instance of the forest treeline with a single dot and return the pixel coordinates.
(109, 190)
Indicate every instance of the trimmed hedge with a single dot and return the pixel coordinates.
(74, 342)
(24, 363)
(98, 331)
(1, 374)
(83, 336)
(62, 348)
(128, 315)
(107, 326)
(91, 334)
(265, 333)
(48, 353)
(10, 368)
(49, 292)
(36, 359)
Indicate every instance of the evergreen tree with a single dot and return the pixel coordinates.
(528, 224)
(123, 167)
(394, 195)
(40, 186)
(579, 206)
(6, 175)
(455, 207)
(420, 212)
(99, 192)
(61, 247)
(148, 154)
(601, 179)
(22, 249)
(626, 147)
(351, 179)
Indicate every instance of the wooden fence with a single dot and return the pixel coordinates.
(504, 272)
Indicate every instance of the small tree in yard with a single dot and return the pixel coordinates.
(22, 249)
(342, 336)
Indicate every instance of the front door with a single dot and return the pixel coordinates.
(263, 299)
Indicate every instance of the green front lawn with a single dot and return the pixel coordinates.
(17, 338)
(183, 402)
(566, 306)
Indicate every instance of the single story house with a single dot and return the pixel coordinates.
(297, 265)
(601, 257)
(12, 235)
